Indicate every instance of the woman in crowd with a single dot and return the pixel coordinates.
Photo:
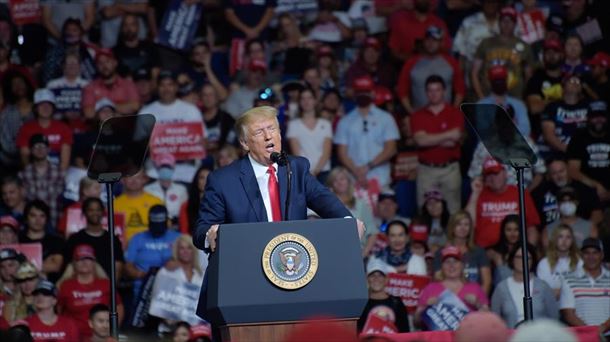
(452, 280)
(190, 209)
(435, 215)
(37, 215)
(85, 188)
(567, 201)
(332, 106)
(21, 304)
(398, 253)
(84, 284)
(341, 182)
(184, 266)
(507, 299)
(562, 256)
(573, 62)
(328, 67)
(181, 332)
(310, 136)
(510, 235)
(460, 233)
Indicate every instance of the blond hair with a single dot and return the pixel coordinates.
(454, 220)
(253, 115)
(332, 176)
(189, 241)
(69, 273)
(552, 254)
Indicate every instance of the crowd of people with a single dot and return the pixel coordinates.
(367, 91)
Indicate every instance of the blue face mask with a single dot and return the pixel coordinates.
(165, 173)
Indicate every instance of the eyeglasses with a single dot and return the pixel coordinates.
(365, 127)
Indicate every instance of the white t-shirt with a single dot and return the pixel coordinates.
(173, 197)
(311, 141)
(553, 277)
(177, 111)
(516, 293)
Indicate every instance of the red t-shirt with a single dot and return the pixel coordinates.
(493, 207)
(58, 133)
(406, 30)
(64, 329)
(426, 121)
(77, 299)
(121, 92)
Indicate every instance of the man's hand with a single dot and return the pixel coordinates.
(361, 228)
(211, 236)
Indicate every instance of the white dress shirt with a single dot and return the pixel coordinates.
(262, 178)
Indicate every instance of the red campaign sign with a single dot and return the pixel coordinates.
(32, 251)
(532, 26)
(75, 221)
(183, 140)
(25, 11)
(407, 287)
(381, 242)
(377, 325)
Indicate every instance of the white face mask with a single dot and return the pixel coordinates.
(567, 208)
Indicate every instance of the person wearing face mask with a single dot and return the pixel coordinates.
(151, 249)
(567, 202)
(588, 152)
(172, 193)
(366, 137)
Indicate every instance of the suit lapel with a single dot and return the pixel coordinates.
(248, 181)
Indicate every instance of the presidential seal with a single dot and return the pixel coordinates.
(290, 261)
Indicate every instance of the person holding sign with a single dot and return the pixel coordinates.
(469, 295)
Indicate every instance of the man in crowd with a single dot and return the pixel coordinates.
(13, 197)
(42, 179)
(585, 294)
(131, 52)
(597, 87)
(561, 119)
(200, 69)
(432, 61)
(366, 137)
(544, 86)
(588, 152)
(95, 235)
(9, 263)
(504, 49)
(492, 199)
(115, 15)
(45, 324)
(241, 99)
(134, 203)
(172, 193)
(438, 130)
(110, 85)
(99, 322)
(218, 123)
(9, 230)
(545, 195)
(370, 63)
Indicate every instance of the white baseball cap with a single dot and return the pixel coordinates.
(44, 95)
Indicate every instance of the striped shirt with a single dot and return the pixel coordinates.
(588, 296)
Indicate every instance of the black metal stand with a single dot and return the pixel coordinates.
(109, 179)
(520, 165)
(288, 189)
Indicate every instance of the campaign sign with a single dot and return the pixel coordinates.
(32, 252)
(407, 287)
(443, 316)
(179, 24)
(377, 325)
(25, 11)
(67, 99)
(532, 26)
(183, 140)
(175, 300)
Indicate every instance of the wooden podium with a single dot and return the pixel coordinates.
(250, 296)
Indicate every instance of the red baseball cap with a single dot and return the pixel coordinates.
(382, 95)
(600, 59)
(491, 165)
(325, 50)
(451, 252)
(418, 232)
(103, 52)
(200, 330)
(508, 12)
(497, 72)
(553, 44)
(363, 84)
(165, 159)
(9, 221)
(372, 42)
(257, 65)
(83, 252)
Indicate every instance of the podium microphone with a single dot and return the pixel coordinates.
(281, 158)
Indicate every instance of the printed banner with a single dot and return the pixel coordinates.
(175, 300)
(531, 26)
(75, 221)
(407, 287)
(183, 140)
(25, 11)
(446, 314)
(32, 251)
(377, 325)
(179, 24)
(67, 99)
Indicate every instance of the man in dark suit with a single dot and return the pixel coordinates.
(254, 188)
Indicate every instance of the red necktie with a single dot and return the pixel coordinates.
(274, 195)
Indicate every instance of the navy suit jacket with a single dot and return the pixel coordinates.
(232, 196)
